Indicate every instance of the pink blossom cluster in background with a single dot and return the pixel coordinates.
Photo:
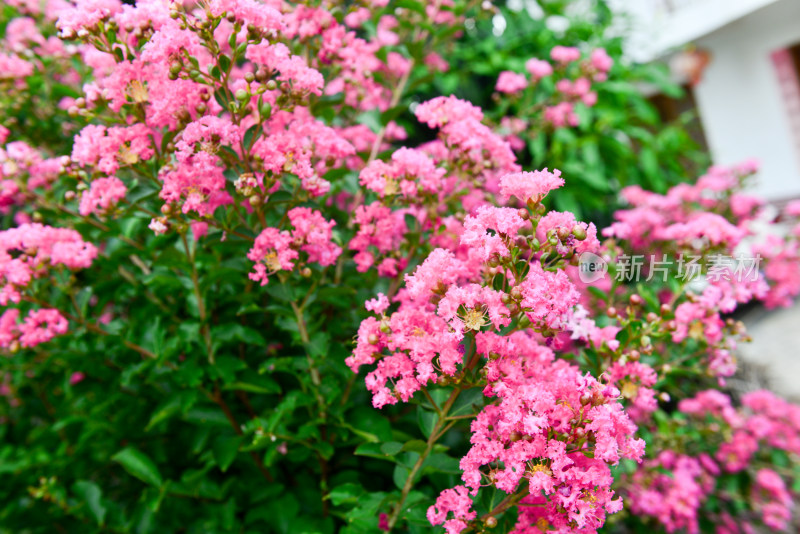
(742, 438)
(573, 81)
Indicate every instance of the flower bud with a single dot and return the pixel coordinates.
(249, 77)
(579, 232)
(272, 85)
(652, 317)
(611, 312)
(254, 200)
(490, 522)
(305, 272)
(636, 300)
(523, 214)
(372, 339)
(265, 109)
(665, 309)
(515, 293)
(175, 67)
(241, 95)
(69, 196)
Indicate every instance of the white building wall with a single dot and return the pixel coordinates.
(741, 106)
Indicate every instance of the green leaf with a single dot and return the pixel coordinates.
(345, 493)
(400, 475)
(224, 62)
(92, 495)
(391, 448)
(427, 420)
(467, 401)
(139, 465)
(262, 385)
(225, 449)
(178, 403)
(373, 450)
(319, 344)
(440, 462)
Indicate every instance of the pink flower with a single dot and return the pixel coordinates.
(538, 68)
(383, 519)
(511, 82)
(76, 378)
(271, 252)
(454, 501)
(313, 233)
(565, 54)
(443, 110)
(504, 224)
(84, 15)
(600, 60)
(377, 305)
(103, 194)
(41, 326)
(44, 246)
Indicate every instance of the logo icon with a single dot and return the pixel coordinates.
(591, 267)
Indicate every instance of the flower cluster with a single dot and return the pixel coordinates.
(548, 433)
(30, 251)
(572, 79)
(276, 250)
(39, 326)
(674, 487)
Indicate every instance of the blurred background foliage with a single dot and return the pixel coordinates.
(622, 140)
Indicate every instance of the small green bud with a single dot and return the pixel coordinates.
(579, 232)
